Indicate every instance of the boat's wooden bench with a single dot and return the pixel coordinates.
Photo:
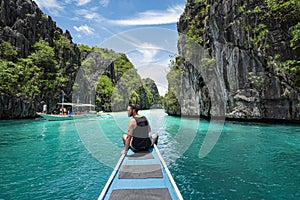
(142, 175)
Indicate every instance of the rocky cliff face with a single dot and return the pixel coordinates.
(231, 60)
(71, 71)
(12, 107)
(22, 24)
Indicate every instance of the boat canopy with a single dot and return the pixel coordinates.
(76, 104)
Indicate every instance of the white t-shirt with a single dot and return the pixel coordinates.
(44, 108)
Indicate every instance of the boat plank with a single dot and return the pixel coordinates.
(165, 182)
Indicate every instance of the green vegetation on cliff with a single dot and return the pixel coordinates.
(172, 97)
(276, 14)
(115, 81)
(251, 51)
(30, 76)
(45, 71)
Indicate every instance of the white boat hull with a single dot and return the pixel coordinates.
(68, 117)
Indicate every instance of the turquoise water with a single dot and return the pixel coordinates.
(73, 160)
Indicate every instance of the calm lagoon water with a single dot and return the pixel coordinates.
(73, 159)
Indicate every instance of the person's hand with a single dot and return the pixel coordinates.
(123, 152)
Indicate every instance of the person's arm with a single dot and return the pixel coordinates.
(129, 135)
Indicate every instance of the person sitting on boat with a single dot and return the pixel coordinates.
(137, 137)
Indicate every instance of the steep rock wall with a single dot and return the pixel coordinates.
(228, 51)
(22, 24)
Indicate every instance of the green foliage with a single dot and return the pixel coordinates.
(61, 44)
(135, 97)
(88, 64)
(272, 12)
(174, 75)
(21, 77)
(104, 92)
(8, 77)
(195, 33)
(171, 103)
(117, 86)
(122, 64)
(7, 51)
(284, 10)
(152, 91)
(145, 95)
(259, 34)
(276, 5)
(84, 48)
(196, 25)
(44, 16)
(208, 64)
(242, 8)
(44, 56)
(29, 76)
(292, 69)
(281, 10)
(105, 53)
(295, 42)
(256, 80)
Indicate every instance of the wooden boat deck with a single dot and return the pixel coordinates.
(150, 179)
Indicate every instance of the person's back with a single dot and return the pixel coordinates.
(138, 137)
(140, 140)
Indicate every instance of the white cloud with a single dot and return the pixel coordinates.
(152, 62)
(153, 17)
(85, 29)
(83, 2)
(158, 73)
(104, 3)
(51, 5)
(149, 52)
(88, 14)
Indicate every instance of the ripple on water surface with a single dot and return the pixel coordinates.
(47, 160)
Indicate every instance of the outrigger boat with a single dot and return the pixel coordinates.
(74, 114)
(141, 175)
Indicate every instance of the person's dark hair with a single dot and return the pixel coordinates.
(135, 106)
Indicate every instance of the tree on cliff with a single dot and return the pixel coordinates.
(253, 47)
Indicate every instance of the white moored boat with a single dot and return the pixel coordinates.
(74, 114)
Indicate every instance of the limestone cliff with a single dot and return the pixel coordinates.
(39, 62)
(237, 59)
(113, 80)
(22, 24)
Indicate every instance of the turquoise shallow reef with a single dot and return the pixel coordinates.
(73, 159)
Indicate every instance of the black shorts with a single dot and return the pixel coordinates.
(142, 144)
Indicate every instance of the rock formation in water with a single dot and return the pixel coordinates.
(238, 59)
(27, 32)
(22, 24)
(112, 78)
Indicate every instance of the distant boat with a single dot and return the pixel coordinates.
(74, 113)
(142, 175)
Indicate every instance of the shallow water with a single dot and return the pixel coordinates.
(73, 159)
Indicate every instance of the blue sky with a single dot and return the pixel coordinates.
(143, 29)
